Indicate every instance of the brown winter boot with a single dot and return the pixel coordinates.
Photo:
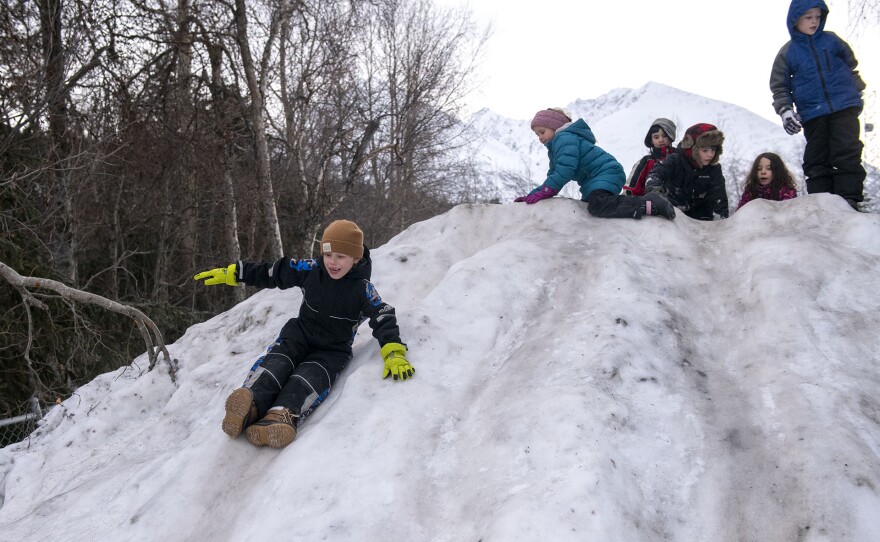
(277, 429)
(240, 412)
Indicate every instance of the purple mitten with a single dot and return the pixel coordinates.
(519, 199)
(544, 193)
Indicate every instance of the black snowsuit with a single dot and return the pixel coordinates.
(301, 366)
(700, 193)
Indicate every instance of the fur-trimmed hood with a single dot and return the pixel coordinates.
(702, 135)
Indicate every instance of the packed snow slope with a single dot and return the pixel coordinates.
(577, 379)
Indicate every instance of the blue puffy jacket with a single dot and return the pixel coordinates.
(574, 156)
(815, 73)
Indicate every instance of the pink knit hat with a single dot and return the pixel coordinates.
(550, 118)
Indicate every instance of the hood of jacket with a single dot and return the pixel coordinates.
(798, 8)
(666, 125)
(580, 128)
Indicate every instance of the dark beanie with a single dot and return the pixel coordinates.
(551, 118)
(345, 237)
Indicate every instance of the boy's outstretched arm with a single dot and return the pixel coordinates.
(220, 275)
(282, 273)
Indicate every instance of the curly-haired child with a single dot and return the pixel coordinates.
(768, 179)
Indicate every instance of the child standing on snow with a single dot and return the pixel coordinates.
(768, 179)
(816, 73)
(659, 140)
(299, 369)
(691, 178)
(574, 155)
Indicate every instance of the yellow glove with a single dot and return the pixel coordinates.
(396, 365)
(220, 275)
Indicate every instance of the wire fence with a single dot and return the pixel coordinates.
(17, 428)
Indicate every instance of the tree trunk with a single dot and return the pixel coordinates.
(59, 208)
(224, 144)
(256, 88)
(184, 43)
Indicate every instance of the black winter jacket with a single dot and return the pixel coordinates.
(700, 193)
(331, 309)
(638, 176)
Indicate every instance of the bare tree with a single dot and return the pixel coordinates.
(325, 137)
(419, 65)
(57, 87)
(864, 13)
(141, 140)
(257, 81)
(224, 106)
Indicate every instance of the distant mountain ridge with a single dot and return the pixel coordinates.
(509, 153)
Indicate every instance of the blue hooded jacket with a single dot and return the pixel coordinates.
(816, 73)
(574, 156)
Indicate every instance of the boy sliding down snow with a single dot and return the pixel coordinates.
(299, 369)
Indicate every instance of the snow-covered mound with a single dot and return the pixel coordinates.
(577, 379)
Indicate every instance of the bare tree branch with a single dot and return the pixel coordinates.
(149, 331)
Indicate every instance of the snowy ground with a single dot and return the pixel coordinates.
(577, 379)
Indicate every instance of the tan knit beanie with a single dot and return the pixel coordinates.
(345, 237)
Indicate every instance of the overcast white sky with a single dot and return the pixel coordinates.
(552, 52)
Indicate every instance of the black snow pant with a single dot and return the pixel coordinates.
(833, 155)
(604, 204)
(294, 376)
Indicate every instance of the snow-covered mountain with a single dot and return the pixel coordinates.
(577, 379)
(508, 150)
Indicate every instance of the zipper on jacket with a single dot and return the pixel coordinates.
(821, 76)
